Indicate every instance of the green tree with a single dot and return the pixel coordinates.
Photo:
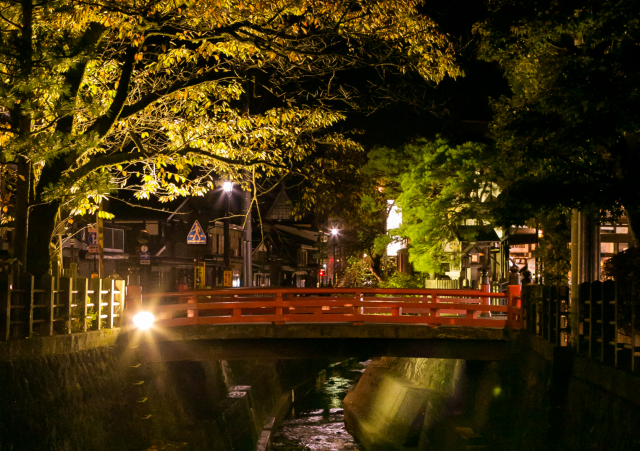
(161, 97)
(568, 133)
(437, 186)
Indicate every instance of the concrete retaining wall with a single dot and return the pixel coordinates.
(540, 398)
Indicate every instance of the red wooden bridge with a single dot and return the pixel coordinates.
(358, 306)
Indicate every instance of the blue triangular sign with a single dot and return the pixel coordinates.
(196, 235)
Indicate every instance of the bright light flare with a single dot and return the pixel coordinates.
(227, 187)
(334, 232)
(143, 320)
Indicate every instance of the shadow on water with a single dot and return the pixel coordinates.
(315, 421)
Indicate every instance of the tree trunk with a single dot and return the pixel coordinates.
(42, 221)
(21, 229)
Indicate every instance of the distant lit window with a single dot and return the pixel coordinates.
(281, 211)
(607, 229)
(475, 258)
(622, 229)
(623, 247)
(607, 248)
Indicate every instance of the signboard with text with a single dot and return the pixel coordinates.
(94, 247)
(145, 258)
(228, 278)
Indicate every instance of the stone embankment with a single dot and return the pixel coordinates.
(76, 393)
(540, 398)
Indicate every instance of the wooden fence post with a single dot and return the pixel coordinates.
(6, 281)
(49, 299)
(595, 319)
(119, 299)
(82, 300)
(30, 291)
(65, 298)
(563, 316)
(109, 284)
(634, 332)
(96, 300)
(609, 350)
(583, 310)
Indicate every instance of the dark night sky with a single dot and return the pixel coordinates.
(463, 99)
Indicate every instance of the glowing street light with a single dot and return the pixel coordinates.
(334, 232)
(227, 187)
(143, 320)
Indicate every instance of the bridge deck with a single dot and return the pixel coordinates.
(262, 341)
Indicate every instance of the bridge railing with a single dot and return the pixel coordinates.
(330, 305)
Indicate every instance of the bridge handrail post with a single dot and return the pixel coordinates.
(358, 309)
(133, 301)
(514, 306)
(279, 320)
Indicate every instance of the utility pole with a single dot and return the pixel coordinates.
(228, 271)
(247, 249)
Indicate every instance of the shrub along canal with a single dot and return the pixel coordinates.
(315, 421)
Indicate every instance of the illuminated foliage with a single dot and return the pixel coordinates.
(163, 97)
(437, 187)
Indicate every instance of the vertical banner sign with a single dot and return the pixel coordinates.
(199, 276)
(228, 278)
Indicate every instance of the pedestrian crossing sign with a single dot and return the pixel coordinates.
(196, 235)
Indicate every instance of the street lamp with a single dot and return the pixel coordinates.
(334, 234)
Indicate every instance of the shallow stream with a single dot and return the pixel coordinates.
(315, 421)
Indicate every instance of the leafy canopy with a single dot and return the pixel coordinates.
(163, 97)
(568, 134)
(438, 186)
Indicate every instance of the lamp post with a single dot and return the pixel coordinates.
(228, 272)
(334, 235)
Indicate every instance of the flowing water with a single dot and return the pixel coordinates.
(315, 421)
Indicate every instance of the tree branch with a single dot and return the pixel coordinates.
(103, 124)
(130, 110)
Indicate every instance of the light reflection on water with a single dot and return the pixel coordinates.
(316, 421)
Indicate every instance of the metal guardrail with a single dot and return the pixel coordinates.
(331, 305)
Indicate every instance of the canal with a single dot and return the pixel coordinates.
(315, 421)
